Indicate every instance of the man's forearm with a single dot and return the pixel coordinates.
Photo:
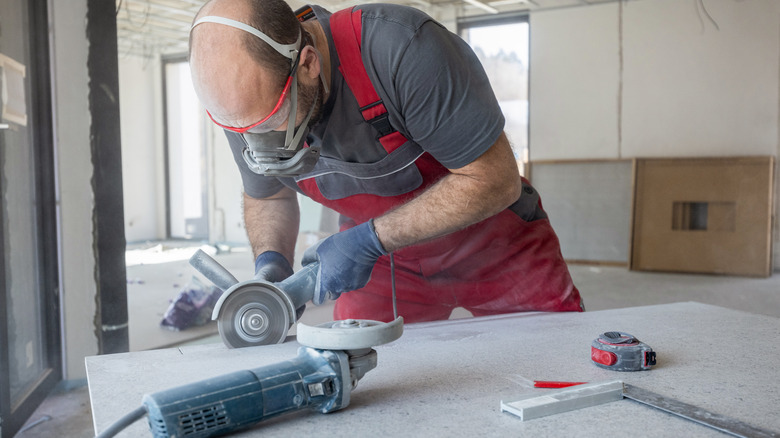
(466, 196)
(272, 223)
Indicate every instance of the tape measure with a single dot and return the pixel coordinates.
(620, 351)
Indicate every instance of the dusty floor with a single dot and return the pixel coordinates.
(67, 414)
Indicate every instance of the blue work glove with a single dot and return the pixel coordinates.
(271, 266)
(346, 261)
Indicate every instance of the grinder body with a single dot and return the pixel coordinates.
(315, 379)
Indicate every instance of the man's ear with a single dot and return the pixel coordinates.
(310, 64)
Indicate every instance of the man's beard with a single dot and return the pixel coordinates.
(309, 95)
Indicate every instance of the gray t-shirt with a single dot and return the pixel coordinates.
(433, 86)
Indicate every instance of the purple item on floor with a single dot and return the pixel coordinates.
(191, 307)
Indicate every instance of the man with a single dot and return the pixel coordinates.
(386, 117)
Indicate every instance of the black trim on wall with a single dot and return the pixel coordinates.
(108, 216)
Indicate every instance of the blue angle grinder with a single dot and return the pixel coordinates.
(334, 356)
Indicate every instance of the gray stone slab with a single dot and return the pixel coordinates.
(447, 378)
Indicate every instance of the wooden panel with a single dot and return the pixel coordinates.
(705, 215)
(589, 205)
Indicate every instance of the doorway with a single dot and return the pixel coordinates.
(186, 172)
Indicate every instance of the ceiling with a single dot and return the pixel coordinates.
(149, 28)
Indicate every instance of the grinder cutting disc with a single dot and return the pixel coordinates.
(254, 314)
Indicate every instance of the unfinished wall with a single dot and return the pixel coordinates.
(655, 78)
(78, 287)
(142, 158)
(691, 89)
(574, 83)
(227, 219)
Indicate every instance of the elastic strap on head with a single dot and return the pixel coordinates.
(287, 50)
(293, 139)
(288, 144)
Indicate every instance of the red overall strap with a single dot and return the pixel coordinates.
(346, 27)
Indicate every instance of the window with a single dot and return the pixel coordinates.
(501, 44)
(30, 362)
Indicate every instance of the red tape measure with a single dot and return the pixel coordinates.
(620, 351)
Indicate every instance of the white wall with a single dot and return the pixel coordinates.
(694, 90)
(574, 83)
(226, 218)
(667, 84)
(142, 158)
(78, 287)
(654, 78)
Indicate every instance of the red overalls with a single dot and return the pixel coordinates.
(500, 265)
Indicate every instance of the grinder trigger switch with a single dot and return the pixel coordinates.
(620, 351)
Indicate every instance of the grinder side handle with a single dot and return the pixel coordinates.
(300, 286)
(211, 269)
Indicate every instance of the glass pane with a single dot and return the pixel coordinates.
(23, 316)
(503, 51)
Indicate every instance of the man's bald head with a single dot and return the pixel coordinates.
(272, 17)
(235, 72)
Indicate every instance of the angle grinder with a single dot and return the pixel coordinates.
(255, 312)
(333, 357)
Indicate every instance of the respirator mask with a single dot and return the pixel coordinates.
(266, 151)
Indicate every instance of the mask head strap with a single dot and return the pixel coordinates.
(287, 50)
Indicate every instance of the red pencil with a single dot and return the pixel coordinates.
(554, 384)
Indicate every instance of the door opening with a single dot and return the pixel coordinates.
(186, 173)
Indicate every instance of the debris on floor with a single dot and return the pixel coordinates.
(191, 307)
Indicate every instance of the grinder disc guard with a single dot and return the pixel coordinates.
(350, 334)
(255, 314)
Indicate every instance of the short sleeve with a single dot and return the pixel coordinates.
(439, 88)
